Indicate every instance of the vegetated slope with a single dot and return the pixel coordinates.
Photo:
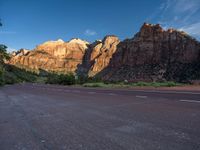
(10, 74)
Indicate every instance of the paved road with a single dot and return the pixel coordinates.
(47, 117)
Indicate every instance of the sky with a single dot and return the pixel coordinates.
(27, 23)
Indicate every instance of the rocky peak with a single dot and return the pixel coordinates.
(59, 41)
(155, 29)
(21, 52)
(110, 39)
(50, 45)
(149, 30)
(79, 41)
(102, 52)
(148, 26)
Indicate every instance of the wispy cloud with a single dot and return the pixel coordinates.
(180, 14)
(193, 29)
(7, 32)
(186, 5)
(90, 32)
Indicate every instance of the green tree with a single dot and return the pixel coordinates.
(1, 64)
(3, 56)
(3, 53)
(1, 75)
(63, 79)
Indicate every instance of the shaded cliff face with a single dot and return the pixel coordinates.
(155, 54)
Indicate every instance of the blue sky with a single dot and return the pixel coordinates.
(28, 23)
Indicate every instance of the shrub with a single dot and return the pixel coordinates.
(1, 76)
(67, 79)
(15, 75)
(82, 79)
(3, 53)
(63, 79)
(98, 84)
(156, 84)
(141, 84)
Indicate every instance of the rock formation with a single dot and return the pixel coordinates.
(54, 56)
(99, 55)
(152, 54)
(155, 54)
(21, 52)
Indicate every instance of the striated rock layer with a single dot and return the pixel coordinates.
(152, 54)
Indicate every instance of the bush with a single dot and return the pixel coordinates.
(98, 84)
(141, 84)
(122, 85)
(16, 75)
(67, 79)
(157, 84)
(82, 79)
(1, 76)
(3, 53)
(63, 79)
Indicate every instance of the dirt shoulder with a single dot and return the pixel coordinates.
(175, 88)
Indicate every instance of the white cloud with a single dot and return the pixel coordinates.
(179, 10)
(90, 32)
(180, 14)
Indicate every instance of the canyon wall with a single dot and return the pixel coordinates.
(153, 54)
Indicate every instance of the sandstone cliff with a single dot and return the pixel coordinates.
(152, 54)
(99, 55)
(155, 54)
(58, 56)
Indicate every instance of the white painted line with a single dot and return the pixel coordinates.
(91, 92)
(190, 101)
(112, 94)
(139, 96)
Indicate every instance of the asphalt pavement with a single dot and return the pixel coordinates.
(52, 117)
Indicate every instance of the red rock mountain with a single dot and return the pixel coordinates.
(152, 54)
(155, 54)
